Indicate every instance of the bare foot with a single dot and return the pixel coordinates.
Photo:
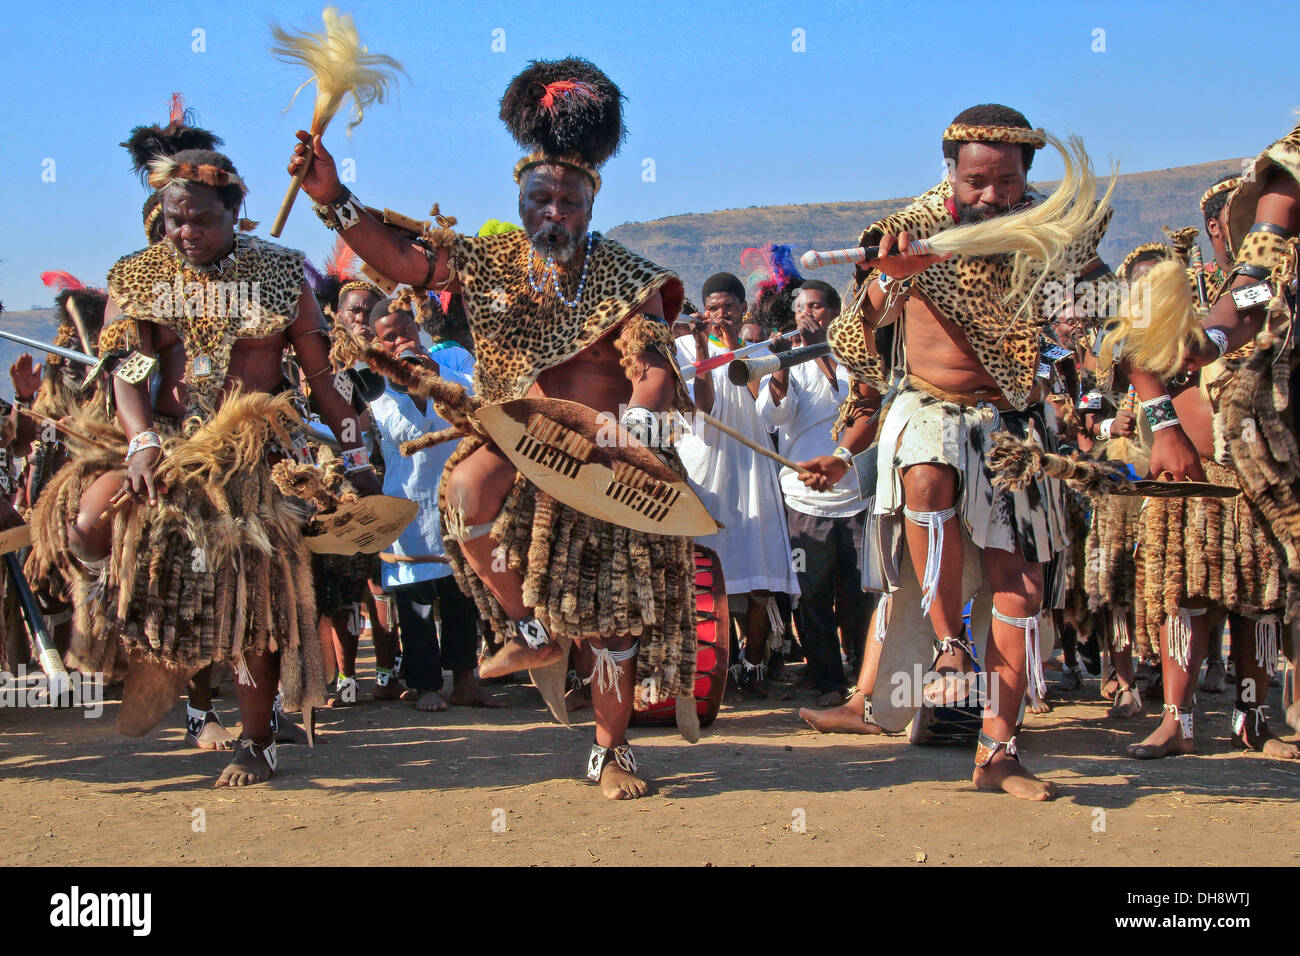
(1215, 678)
(1254, 735)
(1071, 680)
(956, 682)
(1167, 740)
(393, 690)
(288, 732)
(466, 691)
(518, 656)
(618, 784)
(1127, 703)
(1042, 707)
(253, 763)
(213, 736)
(829, 699)
(845, 719)
(1293, 716)
(1006, 774)
(430, 700)
(345, 694)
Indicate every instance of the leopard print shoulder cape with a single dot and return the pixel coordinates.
(969, 292)
(254, 295)
(1283, 155)
(519, 333)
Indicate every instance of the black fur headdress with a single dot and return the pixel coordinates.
(566, 112)
(148, 142)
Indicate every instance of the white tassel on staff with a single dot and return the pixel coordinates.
(340, 66)
(1039, 236)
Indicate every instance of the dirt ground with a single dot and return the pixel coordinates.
(389, 785)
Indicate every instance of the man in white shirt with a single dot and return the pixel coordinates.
(421, 578)
(740, 488)
(799, 405)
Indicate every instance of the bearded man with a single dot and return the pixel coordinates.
(562, 312)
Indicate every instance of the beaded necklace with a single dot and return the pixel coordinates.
(550, 272)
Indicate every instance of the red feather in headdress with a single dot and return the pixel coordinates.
(62, 281)
(177, 115)
(342, 262)
(564, 89)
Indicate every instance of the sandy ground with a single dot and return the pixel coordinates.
(389, 785)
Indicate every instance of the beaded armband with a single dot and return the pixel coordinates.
(1160, 413)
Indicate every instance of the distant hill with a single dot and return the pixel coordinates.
(700, 244)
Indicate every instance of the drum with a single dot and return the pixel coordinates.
(713, 647)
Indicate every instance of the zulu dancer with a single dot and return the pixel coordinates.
(203, 727)
(1234, 418)
(969, 364)
(564, 312)
(343, 583)
(1117, 434)
(209, 565)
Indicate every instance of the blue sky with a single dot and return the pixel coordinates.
(718, 97)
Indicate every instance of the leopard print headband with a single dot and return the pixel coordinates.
(1223, 187)
(964, 133)
(569, 160)
(363, 285)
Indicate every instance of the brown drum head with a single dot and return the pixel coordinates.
(589, 462)
(365, 526)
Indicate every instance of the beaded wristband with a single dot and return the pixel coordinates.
(1160, 413)
(343, 213)
(843, 454)
(143, 440)
(888, 283)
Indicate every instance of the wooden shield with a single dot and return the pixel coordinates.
(589, 462)
(365, 526)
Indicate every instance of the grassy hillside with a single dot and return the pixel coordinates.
(700, 244)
